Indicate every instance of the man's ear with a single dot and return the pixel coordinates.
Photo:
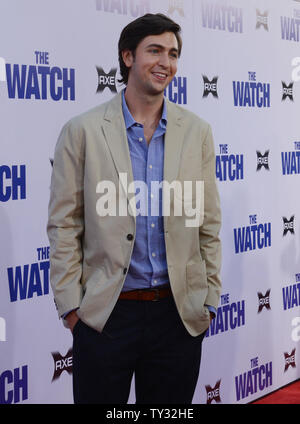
(128, 58)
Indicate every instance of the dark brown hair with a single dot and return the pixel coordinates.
(137, 30)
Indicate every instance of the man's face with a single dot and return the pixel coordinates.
(154, 64)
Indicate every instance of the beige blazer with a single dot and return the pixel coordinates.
(90, 254)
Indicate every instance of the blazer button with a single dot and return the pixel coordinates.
(129, 237)
(124, 271)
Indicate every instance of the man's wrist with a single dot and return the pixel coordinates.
(70, 318)
(212, 310)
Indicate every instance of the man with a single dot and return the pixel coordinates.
(137, 290)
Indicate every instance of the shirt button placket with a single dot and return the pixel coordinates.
(149, 178)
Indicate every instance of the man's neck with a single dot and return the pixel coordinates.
(145, 109)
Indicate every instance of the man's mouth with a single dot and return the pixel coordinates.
(160, 76)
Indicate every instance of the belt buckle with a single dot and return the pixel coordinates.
(156, 298)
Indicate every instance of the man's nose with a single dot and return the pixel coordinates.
(164, 60)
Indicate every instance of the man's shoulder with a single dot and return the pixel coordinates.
(93, 115)
(187, 115)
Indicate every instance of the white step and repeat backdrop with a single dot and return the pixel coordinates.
(239, 71)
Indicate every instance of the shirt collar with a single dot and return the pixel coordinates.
(130, 121)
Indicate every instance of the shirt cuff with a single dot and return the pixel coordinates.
(67, 313)
(212, 309)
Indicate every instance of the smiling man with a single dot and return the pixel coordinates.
(137, 290)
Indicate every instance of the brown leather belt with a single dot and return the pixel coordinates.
(146, 294)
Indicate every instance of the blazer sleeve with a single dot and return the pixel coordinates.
(210, 244)
(66, 218)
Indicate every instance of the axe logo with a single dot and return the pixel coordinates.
(263, 300)
(262, 20)
(210, 86)
(287, 91)
(289, 360)
(213, 394)
(62, 363)
(262, 160)
(288, 225)
(106, 80)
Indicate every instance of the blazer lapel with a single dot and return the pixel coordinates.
(115, 134)
(174, 139)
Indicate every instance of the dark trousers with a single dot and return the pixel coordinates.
(143, 338)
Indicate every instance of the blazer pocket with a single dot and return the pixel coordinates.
(196, 275)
